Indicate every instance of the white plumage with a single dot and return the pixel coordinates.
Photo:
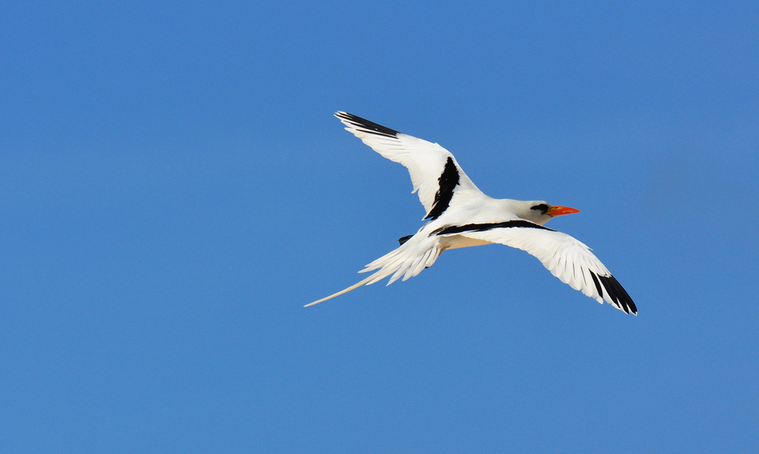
(460, 215)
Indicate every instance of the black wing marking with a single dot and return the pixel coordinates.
(617, 294)
(362, 124)
(453, 229)
(448, 180)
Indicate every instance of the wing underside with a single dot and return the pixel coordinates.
(435, 174)
(568, 259)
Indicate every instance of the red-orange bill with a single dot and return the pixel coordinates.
(558, 211)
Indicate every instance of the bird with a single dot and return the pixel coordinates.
(459, 215)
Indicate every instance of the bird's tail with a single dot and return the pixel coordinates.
(407, 261)
(352, 287)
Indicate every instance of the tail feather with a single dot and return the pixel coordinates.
(406, 261)
(352, 287)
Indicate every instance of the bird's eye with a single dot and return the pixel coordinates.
(543, 208)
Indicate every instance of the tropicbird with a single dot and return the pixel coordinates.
(460, 215)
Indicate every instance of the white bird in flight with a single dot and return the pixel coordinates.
(460, 215)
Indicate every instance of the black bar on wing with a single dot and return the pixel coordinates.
(448, 181)
(453, 229)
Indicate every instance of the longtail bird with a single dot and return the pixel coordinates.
(460, 215)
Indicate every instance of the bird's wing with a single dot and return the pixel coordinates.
(565, 257)
(435, 174)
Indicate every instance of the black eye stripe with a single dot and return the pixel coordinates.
(542, 208)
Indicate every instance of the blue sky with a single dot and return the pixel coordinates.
(174, 187)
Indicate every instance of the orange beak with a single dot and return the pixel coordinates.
(558, 211)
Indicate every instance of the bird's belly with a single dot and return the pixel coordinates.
(457, 241)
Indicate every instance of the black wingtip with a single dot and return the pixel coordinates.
(618, 294)
(366, 125)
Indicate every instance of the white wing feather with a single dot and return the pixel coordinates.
(424, 160)
(566, 258)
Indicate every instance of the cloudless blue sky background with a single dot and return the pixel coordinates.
(174, 187)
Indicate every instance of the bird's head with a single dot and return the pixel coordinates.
(541, 212)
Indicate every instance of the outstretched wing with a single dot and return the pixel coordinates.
(435, 174)
(565, 257)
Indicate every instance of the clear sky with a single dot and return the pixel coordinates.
(174, 188)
